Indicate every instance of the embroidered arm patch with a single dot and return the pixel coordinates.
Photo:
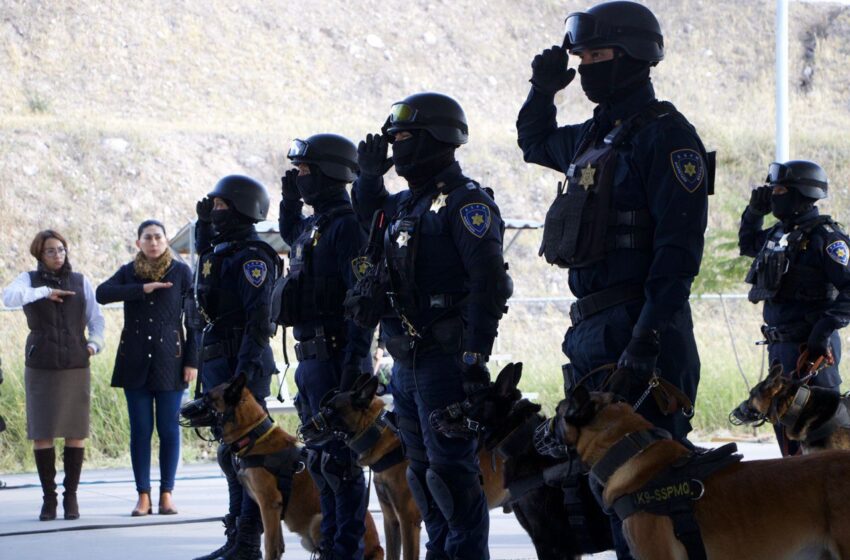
(476, 218)
(688, 168)
(838, 251)
(360, 266)
(256, 272)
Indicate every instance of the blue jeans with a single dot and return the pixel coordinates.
(143, 406)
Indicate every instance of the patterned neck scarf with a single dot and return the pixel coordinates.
(152, 270)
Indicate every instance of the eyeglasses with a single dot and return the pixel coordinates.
(54, 251)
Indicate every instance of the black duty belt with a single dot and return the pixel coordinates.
(604, 299)
(222, 349)
(317, 348)
(798, 333)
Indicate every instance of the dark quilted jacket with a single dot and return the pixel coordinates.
(154, 346)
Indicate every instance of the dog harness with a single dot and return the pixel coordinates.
(366, 440)
(674, 491)
(284, 465)
(840, 419)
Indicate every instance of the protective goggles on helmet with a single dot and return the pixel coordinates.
(298, 149)
(582, 29)
(781, 173)
(404, 117)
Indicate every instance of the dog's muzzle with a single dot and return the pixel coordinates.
(198, 414)
(453, 422)
(746, 414)
(547, 442)
(317, 430)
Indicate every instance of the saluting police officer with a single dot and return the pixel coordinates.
(234, 279)
(330, 350)
(448, 287)
(630, 223)
(800, 273)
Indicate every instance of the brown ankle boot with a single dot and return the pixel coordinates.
(73, 460)
(45, 462)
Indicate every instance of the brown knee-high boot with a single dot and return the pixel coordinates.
(45, 462)
(73, 459)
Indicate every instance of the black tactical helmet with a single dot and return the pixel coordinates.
(245, 195)
(439, 114)
(807, 177)
(334, 155)
(629, 26)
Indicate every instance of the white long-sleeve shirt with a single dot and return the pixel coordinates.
(20, 292)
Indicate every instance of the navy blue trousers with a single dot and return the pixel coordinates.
(434, 383)
(342, 486)
(143, 406)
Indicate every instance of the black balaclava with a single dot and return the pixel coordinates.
(317, 188)
(419, 158)
(789, 205)
(613, 79)
(226, 222)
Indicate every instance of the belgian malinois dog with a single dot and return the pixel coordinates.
(792, 508)
(815, 416)
(239, 416)
(354, 412)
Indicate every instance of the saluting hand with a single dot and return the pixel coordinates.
(153, 286)
(549, 72)
(289, 186)
(760, 200)
(372, 155)
(57, 295)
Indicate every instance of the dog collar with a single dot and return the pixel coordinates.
(257, 433)
(629, 446)
(792, 415)
(365, 440)
(840, 419)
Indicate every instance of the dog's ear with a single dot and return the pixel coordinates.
(508, 379)
(362, 395)
(775, 369)
(233, 392)
(579, 409)
(362, 379)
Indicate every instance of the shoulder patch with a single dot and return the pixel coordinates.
(255, 271)
(838, 251)
(476, 217)
(360, 266)
(688, 168)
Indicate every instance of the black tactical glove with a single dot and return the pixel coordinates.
(204, 209)
(760, 200)
(549, 72)
(818, 343)
(476, 378)
(372, 155)
(641, 354)
(288, 188)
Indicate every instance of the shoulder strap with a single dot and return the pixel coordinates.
(627, 129)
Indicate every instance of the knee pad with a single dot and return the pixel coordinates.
(418, 487)
(454, 493)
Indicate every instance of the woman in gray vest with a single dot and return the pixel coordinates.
(60, 306)
(155, 359)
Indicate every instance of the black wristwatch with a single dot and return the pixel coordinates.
(474, 359)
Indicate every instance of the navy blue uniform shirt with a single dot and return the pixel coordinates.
(646, 177)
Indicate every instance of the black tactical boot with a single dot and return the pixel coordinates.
(45, 462)
(247, 541)
(229, 533)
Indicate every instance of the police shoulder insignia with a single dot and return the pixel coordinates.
(688, 168)
(476, 217)
(256, 272)
(838, 251)
(360, 266)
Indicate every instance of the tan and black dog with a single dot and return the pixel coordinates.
(792, 508)
(359, 411)
(242, 422)
(815, 416)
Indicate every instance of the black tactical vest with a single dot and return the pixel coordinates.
(303, 295)
(777, 275)
(57, 330)
(581, 226)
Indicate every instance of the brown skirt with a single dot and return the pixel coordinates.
(58, 403)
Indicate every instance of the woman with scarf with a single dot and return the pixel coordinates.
(60, 306)
(156, 358)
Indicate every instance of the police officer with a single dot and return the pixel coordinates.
(448, 283)
(330, 350)
(630, 223)
(800, 273)
(234, 279)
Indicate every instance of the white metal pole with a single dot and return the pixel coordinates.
(782, 134)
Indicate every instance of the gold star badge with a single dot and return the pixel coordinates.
(587, 177)
(402, 239)
(256, 273)
(439, 202)
(690, 169)
(207, 270)
(477, 220)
